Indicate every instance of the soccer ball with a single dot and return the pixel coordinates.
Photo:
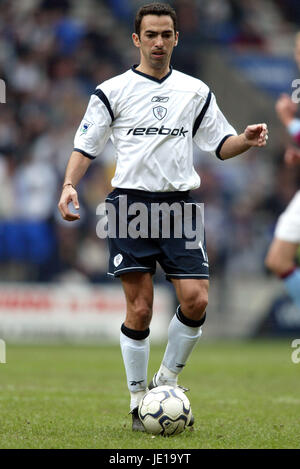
(165, 410)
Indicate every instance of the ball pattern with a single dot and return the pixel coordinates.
(165, 410)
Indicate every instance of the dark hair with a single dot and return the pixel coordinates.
(158, 9)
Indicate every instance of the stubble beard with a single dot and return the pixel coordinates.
(159, 64)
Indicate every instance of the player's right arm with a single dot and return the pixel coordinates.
(76, 168)
(90, 139)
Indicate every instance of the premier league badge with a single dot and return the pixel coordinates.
(159, 112)
(85, 125)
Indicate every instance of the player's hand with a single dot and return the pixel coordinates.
(292, 156)
(68, 195)
(256, 135)
(286, 109)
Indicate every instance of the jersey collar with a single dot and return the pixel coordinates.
(151, 77)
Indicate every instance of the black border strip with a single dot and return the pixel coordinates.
(134, 334)
(105, 101)
(202, 114)
(187, 321)
(84, 153)
(157, 80)
(218, 150)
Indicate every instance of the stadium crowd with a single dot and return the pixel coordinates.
(53, 53)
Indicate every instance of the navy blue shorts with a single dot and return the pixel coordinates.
(139, 253)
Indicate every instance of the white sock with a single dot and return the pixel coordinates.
(135, 354)
(182, 339)
(135, 398)
(166, 377)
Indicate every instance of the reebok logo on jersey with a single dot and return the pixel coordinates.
(159, 99)
(158, 131)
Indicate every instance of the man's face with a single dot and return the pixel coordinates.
(156, 41)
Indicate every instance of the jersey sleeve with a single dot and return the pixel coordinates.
(211, 127)
(95, 127)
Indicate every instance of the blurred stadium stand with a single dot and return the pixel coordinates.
(53, 53)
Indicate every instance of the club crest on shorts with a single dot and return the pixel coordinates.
(118, 259)
(159, 112)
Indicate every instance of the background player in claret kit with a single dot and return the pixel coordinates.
(153, 113)
(281, 256)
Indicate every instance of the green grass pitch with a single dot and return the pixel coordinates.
(243, 395)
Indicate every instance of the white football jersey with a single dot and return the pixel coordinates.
(152, 124)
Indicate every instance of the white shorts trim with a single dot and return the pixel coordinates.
(136, 268)
(113, 198)
(188, 275)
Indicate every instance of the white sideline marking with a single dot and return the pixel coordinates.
(2, 351)
(286, 400)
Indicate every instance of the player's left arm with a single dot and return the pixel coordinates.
(253, 136)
